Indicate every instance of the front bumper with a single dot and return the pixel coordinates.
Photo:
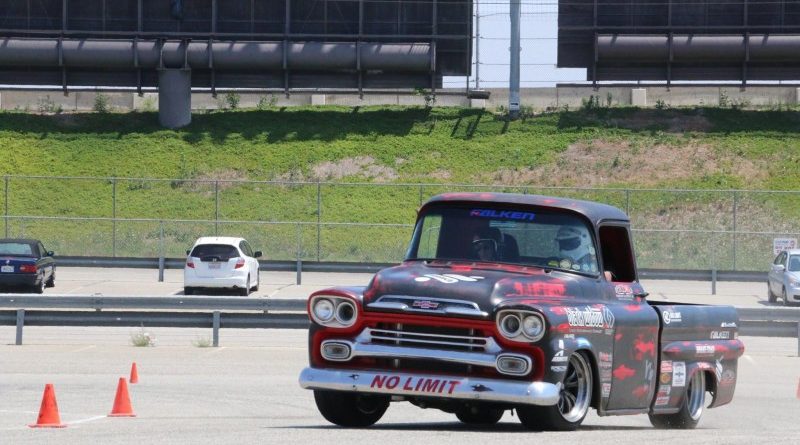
(431, 385)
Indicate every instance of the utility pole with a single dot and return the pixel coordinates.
(477, 44)
(513, 84)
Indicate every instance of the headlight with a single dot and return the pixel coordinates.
(323, 309)
(521, 325)
(333, 311)
(793, 282)
(533, 326)
(510, 325)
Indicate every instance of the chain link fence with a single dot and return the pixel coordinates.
(365, 222)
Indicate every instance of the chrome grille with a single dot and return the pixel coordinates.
(428, 337)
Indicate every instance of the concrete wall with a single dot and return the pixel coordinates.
(563, 96)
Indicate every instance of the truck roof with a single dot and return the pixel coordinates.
(594, 211)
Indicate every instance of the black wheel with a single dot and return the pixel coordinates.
(479, 415)
(573, 403)
(52, 281)
(785, 298)
(350, 409)
(691, 407)
(245, 291)
(188, 290)
(258, 282)
(771, 297)
(39, 288)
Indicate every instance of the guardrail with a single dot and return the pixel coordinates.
(247, 312)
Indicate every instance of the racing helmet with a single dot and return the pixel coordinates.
(574, 242)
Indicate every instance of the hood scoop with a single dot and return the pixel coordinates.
(439, 306)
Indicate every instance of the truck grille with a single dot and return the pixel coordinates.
(432, 337)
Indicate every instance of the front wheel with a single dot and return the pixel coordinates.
(573, 403)
(479, 415)
(691, 408)
(785, 297)
(771, 297)
(350, 409)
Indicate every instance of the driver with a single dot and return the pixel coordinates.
(575, 249)
(485, 243)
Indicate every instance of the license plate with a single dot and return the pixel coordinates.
(7, 269)
(214, 265)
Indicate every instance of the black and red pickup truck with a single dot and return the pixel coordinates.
(519, 302)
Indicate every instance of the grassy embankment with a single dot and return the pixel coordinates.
(700, 149)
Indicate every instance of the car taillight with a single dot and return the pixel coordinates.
(239, 263)
(190, 264)
(28, 268)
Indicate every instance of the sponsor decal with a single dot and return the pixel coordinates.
(624, 292)
(558, 368)
(662, 400)
(665, 378)
(718, 369)
(449, 278)
(606, 390)
(725, 324)
(502, 214)
(704, 349)
(425, 304)
(720, 335)
(678, 373)
(671, 316)
(623, 373)
(664, 390)
(569, 336)
(605, 374)
(649, 371)
(590, 317)
(415, 384)
(605, 357)
(560, 356)
(666, 366)
(704, 365)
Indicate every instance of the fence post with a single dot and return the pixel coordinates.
(161, 260)
(319, 217)
(113, 217)
(735, 205)
(420, 195)
(215, 330)
(5, 181)
(713, 265)
(20, 324)
(299, 278)
(628, 202)
(216, 208)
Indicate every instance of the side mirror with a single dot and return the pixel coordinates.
(50, 253)
(258, 254)
(779, 267)
(187, 251)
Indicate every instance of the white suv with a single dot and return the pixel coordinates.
(221, 262)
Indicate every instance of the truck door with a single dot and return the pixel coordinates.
(634, 364)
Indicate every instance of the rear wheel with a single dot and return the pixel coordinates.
(245, 291)
(573, 403)
(350, 409)
(771, 297)
(691, 408)
(479, 415)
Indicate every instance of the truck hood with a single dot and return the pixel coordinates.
(421, 284)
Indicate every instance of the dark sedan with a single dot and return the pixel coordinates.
(25, 263)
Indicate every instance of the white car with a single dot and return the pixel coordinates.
(783, 279)
(221, 262)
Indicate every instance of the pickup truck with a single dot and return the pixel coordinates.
(517, 302)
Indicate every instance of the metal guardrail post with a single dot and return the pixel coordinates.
(319, 216)
(299, 266)
(216, 208)
(215, 331)
(113, 217)
(20, 324)
(161, 259)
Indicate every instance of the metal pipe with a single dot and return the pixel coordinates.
(148, 54)
(215, 329)
(20, 324)
(686, 48)
(514, 71)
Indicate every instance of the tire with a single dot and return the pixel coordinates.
(479, 415)
(350, 409)
(245, 291)
(52, 281)
(691, 407)
(785, 297)
(258, 282)
(770, 296)
(188, 290)
(573, 403)
(39, 288)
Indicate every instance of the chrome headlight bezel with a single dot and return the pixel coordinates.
(521, 334)
(344, 312)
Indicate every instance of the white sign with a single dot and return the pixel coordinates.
(678, 374)
(781, 244)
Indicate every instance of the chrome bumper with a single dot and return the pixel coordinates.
(430, 385)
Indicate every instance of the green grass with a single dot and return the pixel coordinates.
(408, 145)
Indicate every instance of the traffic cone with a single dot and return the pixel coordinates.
(48, 412)
(134, 374)
(122, 402)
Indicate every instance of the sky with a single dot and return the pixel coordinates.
(538, 28)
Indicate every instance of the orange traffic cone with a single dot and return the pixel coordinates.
(48, 412)
(134, 374)
(122, 402)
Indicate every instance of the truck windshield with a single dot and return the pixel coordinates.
(505, 235)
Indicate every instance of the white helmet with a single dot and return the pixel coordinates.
(574, 242)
